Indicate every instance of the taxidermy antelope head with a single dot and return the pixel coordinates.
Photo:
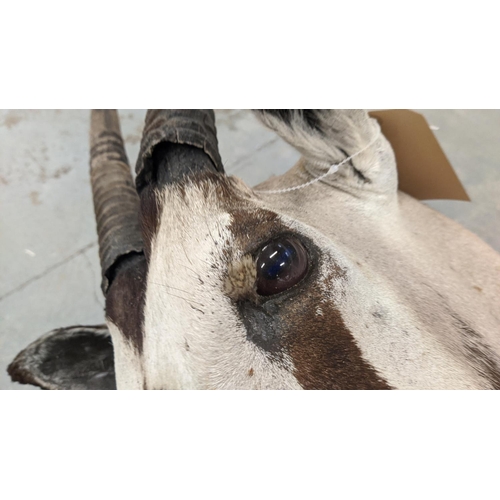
(323, 278)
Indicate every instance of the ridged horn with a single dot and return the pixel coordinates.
(194, 128)
(116, 202)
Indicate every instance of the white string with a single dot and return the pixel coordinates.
(333, 168)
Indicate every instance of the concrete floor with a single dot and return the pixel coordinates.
(49, 264)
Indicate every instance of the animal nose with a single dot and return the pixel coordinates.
(177, 144)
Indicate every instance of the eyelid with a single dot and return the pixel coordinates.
(260, 244)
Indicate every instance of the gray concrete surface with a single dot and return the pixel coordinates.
(49, 267)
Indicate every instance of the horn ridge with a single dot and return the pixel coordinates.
(188, 127)
(116, 203)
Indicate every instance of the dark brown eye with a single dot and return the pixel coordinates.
(280, 265)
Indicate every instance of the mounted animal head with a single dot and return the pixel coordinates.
(323, 278)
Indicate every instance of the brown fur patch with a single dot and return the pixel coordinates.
(253, 227)
(323, 350)
(480, 355)
(149, 217)
(126, 299)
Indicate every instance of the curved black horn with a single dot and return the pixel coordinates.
(116, 202)
(192, 130)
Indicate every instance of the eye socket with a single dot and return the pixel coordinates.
(280, 265)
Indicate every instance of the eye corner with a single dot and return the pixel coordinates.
(241, 280)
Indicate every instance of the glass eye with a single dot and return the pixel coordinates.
(280, 265)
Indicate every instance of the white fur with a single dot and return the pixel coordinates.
(128, 364)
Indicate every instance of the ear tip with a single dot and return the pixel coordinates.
(19, 371)
(15, 370)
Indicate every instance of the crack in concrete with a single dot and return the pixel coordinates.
(48, 270)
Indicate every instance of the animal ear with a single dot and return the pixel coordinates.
(78, 357)
(327, 137)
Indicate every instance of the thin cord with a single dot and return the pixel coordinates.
(333, 168)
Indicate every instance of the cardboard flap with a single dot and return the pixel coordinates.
(424, 172)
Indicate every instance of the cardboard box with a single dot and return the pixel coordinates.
(424, 172)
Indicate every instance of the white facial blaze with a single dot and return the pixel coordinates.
(194, 338)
